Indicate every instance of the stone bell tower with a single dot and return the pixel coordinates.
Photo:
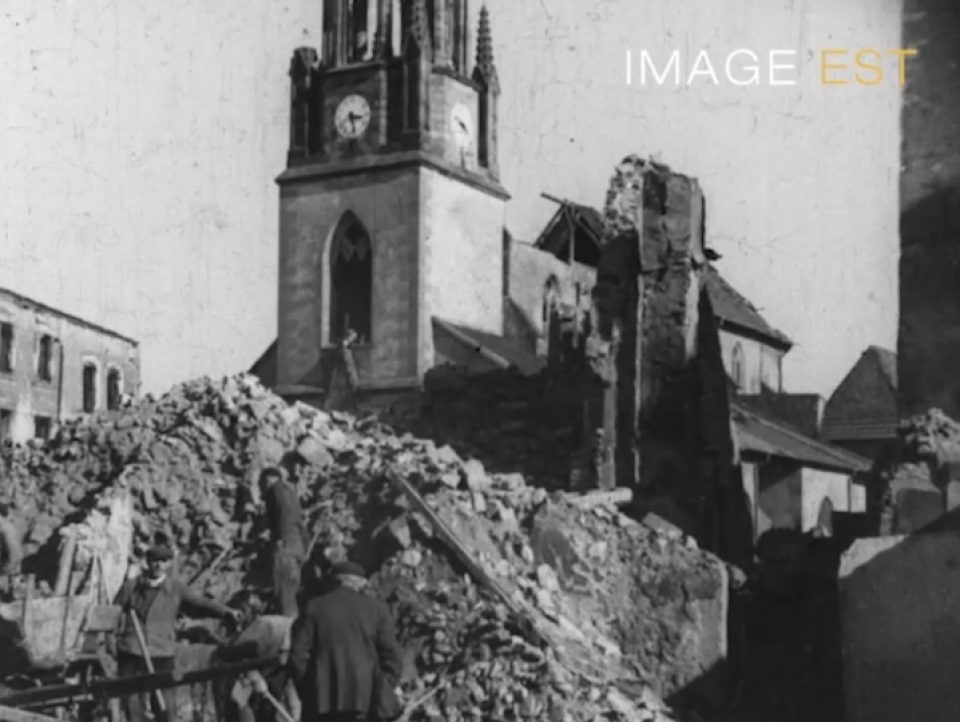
(391, 209)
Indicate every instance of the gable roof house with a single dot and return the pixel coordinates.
(861, 415)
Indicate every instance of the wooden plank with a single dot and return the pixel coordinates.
(123, 686)
(65, 571)
(614, 497)
(11, 714)
(450, 539)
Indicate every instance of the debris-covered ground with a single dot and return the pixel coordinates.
(608, 616)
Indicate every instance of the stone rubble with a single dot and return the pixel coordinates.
(613, 597)
(933, 435)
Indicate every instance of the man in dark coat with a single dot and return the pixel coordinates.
(344, 654)
(288, 548)
(155, 597)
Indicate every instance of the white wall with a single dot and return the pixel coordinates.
(818, 485)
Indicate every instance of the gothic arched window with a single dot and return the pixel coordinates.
(351, 280)
(736, 367)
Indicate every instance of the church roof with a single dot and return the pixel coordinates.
(501, 351)
(733, 309)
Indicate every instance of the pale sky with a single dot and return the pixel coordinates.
(141, 141)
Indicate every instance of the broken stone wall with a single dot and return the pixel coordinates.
(666, 394)
(929, 332)
(923, 478)
(624, 610)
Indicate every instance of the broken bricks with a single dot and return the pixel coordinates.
(185, 455)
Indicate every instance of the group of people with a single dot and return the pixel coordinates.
(340, 654)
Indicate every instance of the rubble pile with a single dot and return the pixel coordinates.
(597, 616)
(911, 483)
(933, 435)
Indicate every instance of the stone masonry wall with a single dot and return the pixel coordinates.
(929, 333)
(387, 204)
(664, 407)
(510, 422)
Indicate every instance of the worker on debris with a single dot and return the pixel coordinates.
(151, 604)
(11, 549)
(285, 519)
(344, 655)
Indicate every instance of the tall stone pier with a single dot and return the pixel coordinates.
(664, 413)
(928, 346)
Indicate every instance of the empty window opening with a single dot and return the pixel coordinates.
(45, 358)
(736, 367)
(89, 388)
(361, 42)
(351, 275)
(6, 347)
(42, 427)
(113, 389)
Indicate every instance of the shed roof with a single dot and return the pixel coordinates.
(761, 435)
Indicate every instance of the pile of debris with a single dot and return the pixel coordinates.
(933, 435)
(511, 602)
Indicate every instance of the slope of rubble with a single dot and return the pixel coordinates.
(603, 618)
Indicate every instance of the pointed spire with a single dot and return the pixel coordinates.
(485, 71)
(484, 42)
(420, 26)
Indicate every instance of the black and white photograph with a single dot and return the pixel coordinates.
(480, 360)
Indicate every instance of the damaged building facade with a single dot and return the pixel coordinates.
(392, 240)
(54, 366)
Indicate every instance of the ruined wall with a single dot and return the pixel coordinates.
(25, 396)
(530, 270)
(928, 345)
(664, 406)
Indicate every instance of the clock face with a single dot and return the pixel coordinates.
(461, 125)
(352, 116)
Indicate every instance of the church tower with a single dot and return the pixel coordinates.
(391, 209)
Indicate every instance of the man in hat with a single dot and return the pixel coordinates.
(155, 598)
(344, 654)
(285, 519)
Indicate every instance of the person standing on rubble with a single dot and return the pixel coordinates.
(344, 654)
(155, 597)
(11, 550)
(285, 519)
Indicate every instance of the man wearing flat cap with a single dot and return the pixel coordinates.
(155, 597)
(285, 519)
(344, 654)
